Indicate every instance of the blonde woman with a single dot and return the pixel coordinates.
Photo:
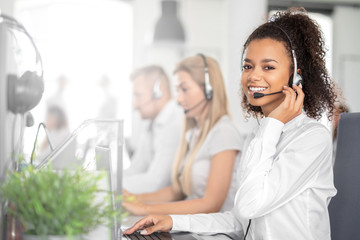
(209, 149)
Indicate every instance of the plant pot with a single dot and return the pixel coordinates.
(50, 237)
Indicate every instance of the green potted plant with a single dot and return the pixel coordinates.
(53, 204)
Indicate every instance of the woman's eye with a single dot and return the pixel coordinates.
(246, 67)
(269, 68)
(182, 89)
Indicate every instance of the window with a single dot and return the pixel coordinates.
(85, 44)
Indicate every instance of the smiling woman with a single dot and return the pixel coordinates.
(285, 179)
(262, 74)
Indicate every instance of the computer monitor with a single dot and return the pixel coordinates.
(98, 147)
(6, 118)
(9, 128)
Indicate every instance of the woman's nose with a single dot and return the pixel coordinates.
(254, 76)
(179, 97)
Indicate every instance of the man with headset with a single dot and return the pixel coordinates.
(151, 162)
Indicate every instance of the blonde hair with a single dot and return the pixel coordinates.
(218, 107)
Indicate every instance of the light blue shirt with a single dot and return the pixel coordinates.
(151, 165)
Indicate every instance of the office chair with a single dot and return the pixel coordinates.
(344, 208)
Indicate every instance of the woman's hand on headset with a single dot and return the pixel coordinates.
(292, 105)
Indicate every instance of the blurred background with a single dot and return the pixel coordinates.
(90, 47)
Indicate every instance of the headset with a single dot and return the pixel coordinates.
(208, 91)
(295, 78)
(157, 93)
(26, 91)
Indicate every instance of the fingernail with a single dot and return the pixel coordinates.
(143, 232)
(300, 85)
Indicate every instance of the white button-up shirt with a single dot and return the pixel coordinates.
(151, 164)
(285, 185)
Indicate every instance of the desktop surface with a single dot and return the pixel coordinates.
(103, 232)
(131, 220)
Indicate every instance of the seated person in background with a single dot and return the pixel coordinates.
(340, 107)
(203, 179)
(150, 168)
(285, 177)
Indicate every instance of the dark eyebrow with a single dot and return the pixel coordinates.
(267, 60)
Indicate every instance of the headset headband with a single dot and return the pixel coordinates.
(208, 88)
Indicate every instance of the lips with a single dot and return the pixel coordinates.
(254, 89)
(257, 89)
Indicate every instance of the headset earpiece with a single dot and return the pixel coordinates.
(208, 91)
(157, 93)
(24, 93)
(297, 80)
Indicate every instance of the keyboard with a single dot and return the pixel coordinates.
(153, 236)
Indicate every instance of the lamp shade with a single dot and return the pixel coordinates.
(168, 28)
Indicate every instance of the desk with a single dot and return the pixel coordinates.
(103, 232)
(131, 220)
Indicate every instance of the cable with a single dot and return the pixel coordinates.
(21, 140)
(13, 151)
(34, 147)
(247, 229)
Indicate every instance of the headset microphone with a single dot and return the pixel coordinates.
(193, 107)
(260, 95)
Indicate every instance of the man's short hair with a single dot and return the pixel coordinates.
(152, 70)
(147, 70)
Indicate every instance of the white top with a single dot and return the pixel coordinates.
(285, 185)
(151, 164)
(223, 136)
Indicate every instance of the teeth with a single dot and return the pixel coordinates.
(256, 89)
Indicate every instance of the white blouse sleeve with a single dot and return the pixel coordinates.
(211, 223)
(224, 137)
(270, 179)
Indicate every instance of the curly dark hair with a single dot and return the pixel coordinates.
(307, 41)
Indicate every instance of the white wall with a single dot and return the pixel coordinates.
(216, 28)
(7, 7)
(242, 19)
(347, 53)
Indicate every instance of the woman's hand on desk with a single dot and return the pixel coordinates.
(150, 224)
(128, 197)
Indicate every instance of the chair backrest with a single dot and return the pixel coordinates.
(344, 208)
